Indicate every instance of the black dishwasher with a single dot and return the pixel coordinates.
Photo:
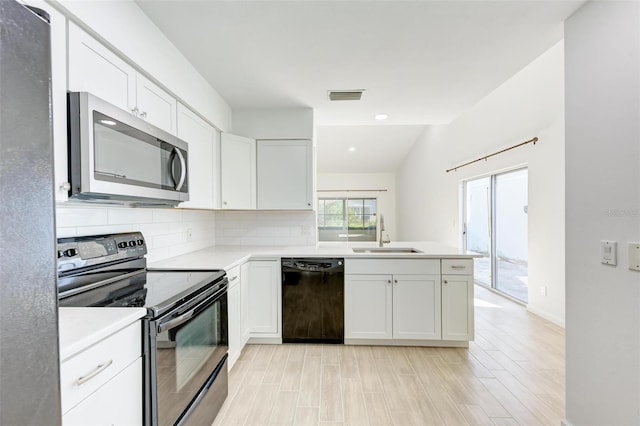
(312, 300)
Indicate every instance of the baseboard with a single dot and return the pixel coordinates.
(554, 319)
(265, 340)
(406, 342)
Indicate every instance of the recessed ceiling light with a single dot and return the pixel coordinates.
(108, 122)
(382, 116)
(351, 149)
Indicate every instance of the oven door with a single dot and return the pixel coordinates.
(188, 349)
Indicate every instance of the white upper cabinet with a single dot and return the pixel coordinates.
(285, 175)
(96, 69)
(155, 105)
(237, 172)
(202, 139)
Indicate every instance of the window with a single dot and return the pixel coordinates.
(347, 219)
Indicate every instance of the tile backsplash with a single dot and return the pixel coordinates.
(168, 232)
(260, 228)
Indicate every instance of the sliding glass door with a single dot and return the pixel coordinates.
(496, 226)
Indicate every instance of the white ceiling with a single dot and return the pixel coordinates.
(422, 62)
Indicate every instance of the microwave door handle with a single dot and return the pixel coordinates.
(183, 169)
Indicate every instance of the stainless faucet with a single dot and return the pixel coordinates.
(382, 239)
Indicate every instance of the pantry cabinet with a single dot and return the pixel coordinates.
(237, 172)
(285, 174)
(94, 68)
(203, 177)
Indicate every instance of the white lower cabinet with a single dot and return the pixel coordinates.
(264, 299)
(368, 307)
(416, 307)
(245, 330)
(117, 402)
(105, 375)
(409, 301)
(392, 307)
(234, 316)
(457, 307)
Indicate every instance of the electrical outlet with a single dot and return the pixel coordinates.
(189, 234)
(543, 290)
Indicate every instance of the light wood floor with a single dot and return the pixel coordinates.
(513, 373)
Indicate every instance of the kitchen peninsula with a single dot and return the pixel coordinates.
(393, 296)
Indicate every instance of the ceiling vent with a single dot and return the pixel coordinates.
(345, 95)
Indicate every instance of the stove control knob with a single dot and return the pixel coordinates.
(140, 242)
(122, 244)
(132, 243)
(60, 254)
(70, 252)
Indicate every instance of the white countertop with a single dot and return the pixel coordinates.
(80, 328)
(226, 257)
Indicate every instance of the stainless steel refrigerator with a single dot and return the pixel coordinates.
(29, 357)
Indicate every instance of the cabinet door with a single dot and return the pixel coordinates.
(233, 319)
(201, 138)
(416, 307)
(264, 297)
(244, 302)
(368, 307)
(155, 105)
(237, 172)
(285, 174)
(94, 68)
(117, 402)
(457, 307)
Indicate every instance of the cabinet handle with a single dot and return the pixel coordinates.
(224, 203)
(309, 204)
(388, 281)
(143, 114)
(135, 111)
(235, 277)
(445, 281)
(99, 369)
(395, 281)
(458, 267)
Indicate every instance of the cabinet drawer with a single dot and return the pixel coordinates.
(457, 266)
(392, 266)
(121, 349)
(233, 275)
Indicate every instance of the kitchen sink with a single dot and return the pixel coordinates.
(385, 250)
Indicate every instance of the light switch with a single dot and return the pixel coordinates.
(608, 254)
(634, 256)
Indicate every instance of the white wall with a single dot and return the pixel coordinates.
(274, 123)
(353, 184)
(266, 228)
(529, 104)
(602, 203)
(124, 26)
(166, 231)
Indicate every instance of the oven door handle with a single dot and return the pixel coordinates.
(176, 321)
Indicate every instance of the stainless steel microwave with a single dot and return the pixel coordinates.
(116, 157)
